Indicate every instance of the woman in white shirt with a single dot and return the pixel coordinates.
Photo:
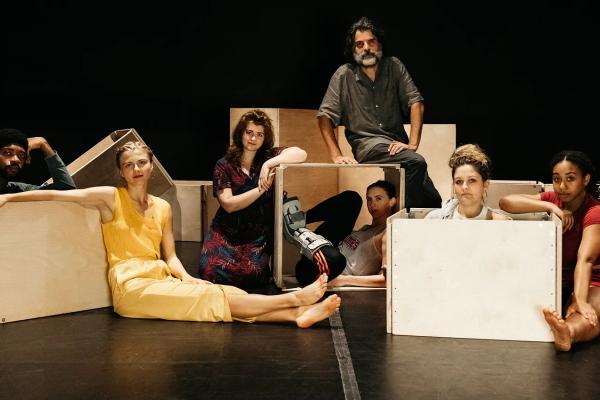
(470, 181)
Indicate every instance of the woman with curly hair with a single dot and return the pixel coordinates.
(239, 244)
(470, 181)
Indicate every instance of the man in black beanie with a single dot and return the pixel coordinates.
(14, 154)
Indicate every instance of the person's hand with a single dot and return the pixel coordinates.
(344, 160)
(36, 143)
(196, 281)
(566, 217)
(397, 147)
(585, 309)
(265, 179)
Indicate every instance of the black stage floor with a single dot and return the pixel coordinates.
(98, 355)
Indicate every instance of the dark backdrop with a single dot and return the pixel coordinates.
(512, 76)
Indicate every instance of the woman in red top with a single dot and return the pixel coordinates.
(574, 201)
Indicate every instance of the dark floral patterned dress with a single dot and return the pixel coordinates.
(238, 246)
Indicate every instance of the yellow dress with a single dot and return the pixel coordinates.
(141, 284)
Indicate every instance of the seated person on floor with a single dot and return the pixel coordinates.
(574, 201)
(14, 154)
(239, 244)
(146, 277)
(358, 257)
(470, 181)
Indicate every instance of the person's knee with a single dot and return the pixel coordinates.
(351, 199)
(418, 162)
(327, 260)
(336, 262)
(411, 160)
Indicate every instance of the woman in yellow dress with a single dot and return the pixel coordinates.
(147, 279)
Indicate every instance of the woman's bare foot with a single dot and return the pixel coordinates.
(560, 330)
(318, 312)
(312, 293)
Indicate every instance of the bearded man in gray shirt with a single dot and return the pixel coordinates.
(371, 96)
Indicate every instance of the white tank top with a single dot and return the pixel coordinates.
(362, 256)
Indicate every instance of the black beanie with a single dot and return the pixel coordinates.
(10, 136)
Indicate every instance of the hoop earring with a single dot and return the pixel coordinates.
(485, 195)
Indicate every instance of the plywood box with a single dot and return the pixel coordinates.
(210, 205)
(473, 279)
(299, 127)
(315, 182)
(97, 167)
(187, 205)
(53, 260)
(501, 188)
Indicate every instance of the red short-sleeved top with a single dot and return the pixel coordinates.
(587, 214)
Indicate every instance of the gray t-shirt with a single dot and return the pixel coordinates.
(371, 112)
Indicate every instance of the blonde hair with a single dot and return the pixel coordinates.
(471, 154)
(131, 146)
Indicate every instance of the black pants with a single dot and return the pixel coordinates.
(420, 191)
(338, 214)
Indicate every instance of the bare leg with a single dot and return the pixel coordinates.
(251, 305)
(304, 316)
(575, 328)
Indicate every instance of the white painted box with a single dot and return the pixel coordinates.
(473, 279)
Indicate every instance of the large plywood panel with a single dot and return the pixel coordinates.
(53, 260)
(210, 205)
(186, 202)
(97, 167)
(299, 128)
(438, 141)
(501, 188)
(474, 279)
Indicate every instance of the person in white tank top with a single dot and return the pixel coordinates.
(364, 249)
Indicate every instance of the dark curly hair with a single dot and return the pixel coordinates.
(236, 149)
(363, 24)
(10, 136)
(585, 165)
(473, 155)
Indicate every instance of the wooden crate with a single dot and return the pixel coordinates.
(186, 202)
(53, 260)
(473, 279)
(303, 180)
(97, 167)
